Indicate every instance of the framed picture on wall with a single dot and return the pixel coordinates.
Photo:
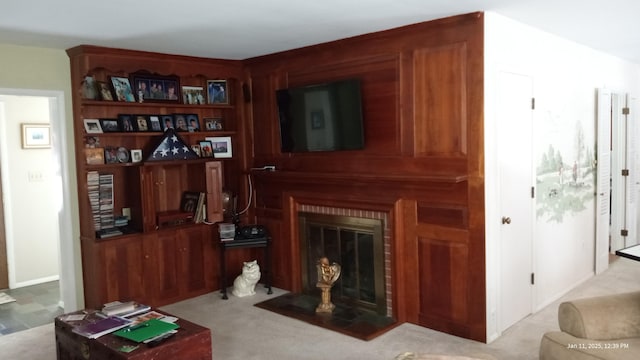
(36, 136)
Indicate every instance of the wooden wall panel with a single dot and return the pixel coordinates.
(422, 88)
(440, 100)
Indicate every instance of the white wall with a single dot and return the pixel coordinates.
(31, 205)
(565, 78)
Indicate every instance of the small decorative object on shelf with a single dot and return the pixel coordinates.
(94, 156)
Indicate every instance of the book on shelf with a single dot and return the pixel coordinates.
(94, 330)
(124, 309)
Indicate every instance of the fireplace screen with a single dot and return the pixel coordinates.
(354, 243)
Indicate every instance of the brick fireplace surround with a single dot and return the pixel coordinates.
(366, 214)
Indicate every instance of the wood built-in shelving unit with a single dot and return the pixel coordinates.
(152, 264)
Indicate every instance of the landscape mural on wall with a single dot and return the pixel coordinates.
(565, 173)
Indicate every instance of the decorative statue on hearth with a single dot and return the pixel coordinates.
(245, 283)
(328, 274)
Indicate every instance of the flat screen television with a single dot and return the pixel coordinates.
(322, 117)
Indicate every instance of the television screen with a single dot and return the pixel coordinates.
(323, 117)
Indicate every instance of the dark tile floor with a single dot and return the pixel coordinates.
(35, 305)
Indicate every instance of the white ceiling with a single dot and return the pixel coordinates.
(240, 29)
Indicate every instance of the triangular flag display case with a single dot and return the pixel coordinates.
(172, 147)
(129, 129)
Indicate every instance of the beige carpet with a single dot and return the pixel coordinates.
(4, 298)
(241, 331)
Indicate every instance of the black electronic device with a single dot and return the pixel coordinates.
(253, 231)
(322, 117)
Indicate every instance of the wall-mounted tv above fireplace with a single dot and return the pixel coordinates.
(321, 117)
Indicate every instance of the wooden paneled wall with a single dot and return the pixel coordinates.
(422, 89)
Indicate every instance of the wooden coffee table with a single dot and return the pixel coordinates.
(191, 342)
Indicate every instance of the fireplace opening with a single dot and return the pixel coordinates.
(357, 244)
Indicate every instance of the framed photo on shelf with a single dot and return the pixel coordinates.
(166, 122)
(141, 123)
(193, 95)
(92, 126)
(125, 121)
(153, 88)
(94, 156)
(213, 124)
(221, 146)
(110, 155)
(109, 125)
(136, 155)
(196, 149)
(180, 122)
(122, 88)
(36, 136)
(206, 148)
(104, 91)
(193, 123)
(217, 92)
(154, 123)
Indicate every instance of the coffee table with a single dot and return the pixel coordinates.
(191, 342)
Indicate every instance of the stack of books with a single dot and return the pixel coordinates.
(124, 309)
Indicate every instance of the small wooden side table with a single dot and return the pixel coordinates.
(191, 342)
(240, 242)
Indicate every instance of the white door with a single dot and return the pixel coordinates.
(515, 153)
(603, 181)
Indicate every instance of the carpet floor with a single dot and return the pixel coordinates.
(241, 331)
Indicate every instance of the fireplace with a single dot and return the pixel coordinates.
(357, 244)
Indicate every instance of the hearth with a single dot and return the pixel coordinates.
(357, 244)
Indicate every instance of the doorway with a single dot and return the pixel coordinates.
(60, 187)
(515, 149)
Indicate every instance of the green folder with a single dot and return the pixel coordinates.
(146, 330)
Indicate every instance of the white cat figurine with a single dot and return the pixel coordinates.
(245, 283)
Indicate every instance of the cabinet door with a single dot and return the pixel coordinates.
(122, 267)
(213, 173)
(194, 250)
(164, 268)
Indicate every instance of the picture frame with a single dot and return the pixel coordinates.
(94, 156)
(110, 155)
(206, 148)
(104, 91)
(155, 88)
(193, 95)
(125, 121)
(136, 155)
(89, 88)
(196, 149)
(154, 123)
(122, 88)
(36, 136)
(92, 126)
(141, 123)
(166, 121)
(180, 122)
(221, 146)
(110, 125)
(217, 92)
(193, 123)
(213, 124)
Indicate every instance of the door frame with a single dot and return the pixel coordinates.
(69, 283)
